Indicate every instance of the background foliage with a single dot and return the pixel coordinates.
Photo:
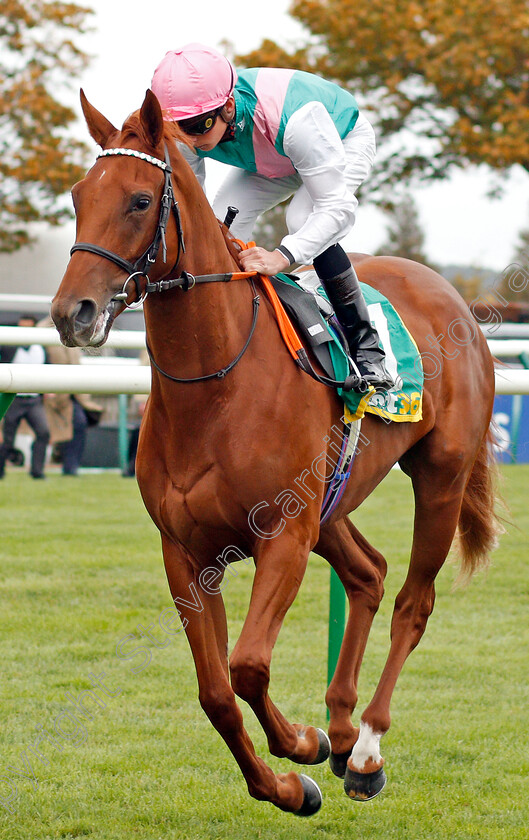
(405, 237)
(445, 85)
(39, 161)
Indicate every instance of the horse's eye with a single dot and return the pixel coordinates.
(141, 203)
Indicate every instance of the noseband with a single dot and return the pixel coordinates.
(144, 263)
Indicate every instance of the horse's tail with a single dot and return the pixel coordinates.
(479, 522)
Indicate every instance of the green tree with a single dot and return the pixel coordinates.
(521, 254)
(445, 84)
(39, 162)
(470, 286)
(405, 235)
(514, 286)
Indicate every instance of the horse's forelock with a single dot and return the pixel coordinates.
(133, 128)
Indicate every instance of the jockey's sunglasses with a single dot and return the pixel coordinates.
(201, 124)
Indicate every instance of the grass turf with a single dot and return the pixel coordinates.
(80, 568)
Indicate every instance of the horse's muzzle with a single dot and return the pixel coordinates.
(83, 324)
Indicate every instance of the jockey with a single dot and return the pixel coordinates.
(288, 133)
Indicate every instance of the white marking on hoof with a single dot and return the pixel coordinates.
(366, 748)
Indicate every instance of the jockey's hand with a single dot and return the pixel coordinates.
(263, 261)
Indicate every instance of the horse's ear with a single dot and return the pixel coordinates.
(151, 118)
(99, 127)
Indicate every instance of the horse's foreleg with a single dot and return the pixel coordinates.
(280, 566)
(361, 570)
(437, 509)
(204, 619)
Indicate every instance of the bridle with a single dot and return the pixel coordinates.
(141, 267)
(144, 263)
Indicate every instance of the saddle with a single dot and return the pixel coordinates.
(308, 306)
(310, 310)
(305, 302)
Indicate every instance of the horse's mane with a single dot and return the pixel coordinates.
(172, 130)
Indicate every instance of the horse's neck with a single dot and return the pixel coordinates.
(197, 332)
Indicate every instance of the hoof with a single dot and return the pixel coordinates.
(338, 763)
(364, 786)
(312, 797)
(324, 747)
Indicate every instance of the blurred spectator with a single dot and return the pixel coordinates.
(28, 407)
(69, 415)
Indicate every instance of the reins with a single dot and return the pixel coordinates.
(219, 374)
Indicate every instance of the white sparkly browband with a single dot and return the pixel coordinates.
(133, 153)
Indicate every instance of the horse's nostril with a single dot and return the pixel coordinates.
(84, 314)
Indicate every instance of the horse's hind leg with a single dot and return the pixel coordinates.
(204, 620)
(439, 475)
(362, 570)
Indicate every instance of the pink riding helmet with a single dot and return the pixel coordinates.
(192, 80)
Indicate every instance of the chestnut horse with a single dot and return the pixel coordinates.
(217, 452)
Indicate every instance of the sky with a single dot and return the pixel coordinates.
(462, 226)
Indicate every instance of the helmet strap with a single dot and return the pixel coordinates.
(229, 134)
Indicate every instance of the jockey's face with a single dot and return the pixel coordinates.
(208, 141)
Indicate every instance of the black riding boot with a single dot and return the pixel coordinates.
(351, 310)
